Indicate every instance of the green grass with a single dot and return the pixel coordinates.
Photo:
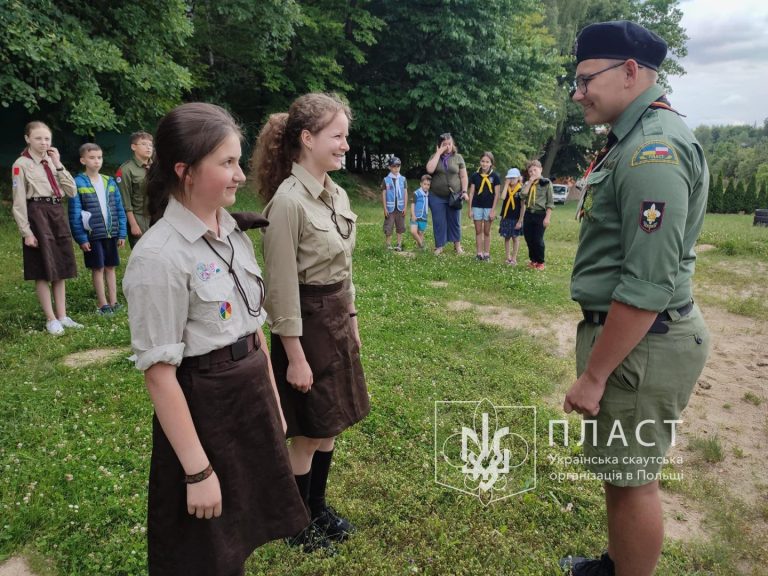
(75, 443)
(711, 449)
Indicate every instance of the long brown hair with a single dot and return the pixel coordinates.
(279, 142)
(187, 134)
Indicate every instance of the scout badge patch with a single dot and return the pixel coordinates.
(225, 310)
(655, 152)
(16, 172)
(651, 214)
(206, 271)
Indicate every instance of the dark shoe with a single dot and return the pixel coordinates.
(579, 566)
(311, 539)
(116, 307)
(335, 527)
(104, 310)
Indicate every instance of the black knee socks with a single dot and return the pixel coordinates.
(321, 465)
(302, 482)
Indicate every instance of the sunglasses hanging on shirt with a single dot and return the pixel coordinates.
(257, 312)
(335, 222)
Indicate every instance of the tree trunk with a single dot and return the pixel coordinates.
(553, 147)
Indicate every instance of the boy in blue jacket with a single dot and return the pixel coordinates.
(98, 223)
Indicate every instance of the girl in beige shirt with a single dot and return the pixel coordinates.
(310, 294)
(40, 183)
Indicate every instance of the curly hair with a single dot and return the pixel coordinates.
(279, 142)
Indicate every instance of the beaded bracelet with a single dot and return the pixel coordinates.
(199, 477)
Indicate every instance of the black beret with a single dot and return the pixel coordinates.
(620, 40)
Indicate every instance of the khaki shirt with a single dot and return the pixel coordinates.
(545, 196)
(30, 181)
(302, 246)
(129, 178)
(182, 300)
(643, 210)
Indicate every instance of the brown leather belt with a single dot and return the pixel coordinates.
(658, 326)
(235, 351)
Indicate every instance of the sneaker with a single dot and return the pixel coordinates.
(310, 539)
(398, 248)
(511, 262)
(67, 322)
(532, 264)
(54, 327)
(335, 527)
(487, 257)
(104, 310)
(389, 246)
(539, 266)
(438, 251)
(579, 566)
(479, 257)
(116, 307)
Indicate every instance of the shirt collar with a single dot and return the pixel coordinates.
(635, 110)
(138, 162)
(190, 226)
(34, 157)
(310, 182)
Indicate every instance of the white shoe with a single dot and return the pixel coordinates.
(67, 322)
(54, 327)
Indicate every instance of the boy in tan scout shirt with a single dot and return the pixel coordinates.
(130, 177)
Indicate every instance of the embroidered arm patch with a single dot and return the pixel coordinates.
(655, 152)
(651, 215)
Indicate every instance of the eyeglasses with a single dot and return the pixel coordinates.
(580, 82)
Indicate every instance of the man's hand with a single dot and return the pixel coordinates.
(584, 396)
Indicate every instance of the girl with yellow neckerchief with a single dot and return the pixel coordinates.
(512, 214)
(483, 195)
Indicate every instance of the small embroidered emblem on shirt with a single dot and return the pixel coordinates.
(206, 271)
(225, 310)
(651, 214)
(657, 151)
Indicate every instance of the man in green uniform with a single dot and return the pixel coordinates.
(130, 177)
(642, 343)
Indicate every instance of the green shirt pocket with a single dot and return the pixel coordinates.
(598, 201)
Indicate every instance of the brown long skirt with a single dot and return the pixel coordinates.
(236, 417)
(54, 258)
(338, 397)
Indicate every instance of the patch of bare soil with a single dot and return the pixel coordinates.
(15, 566)
(438, 284)
(704, 248)
(87, 357)
(682, 519)
(561, 330)
(730, 402)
